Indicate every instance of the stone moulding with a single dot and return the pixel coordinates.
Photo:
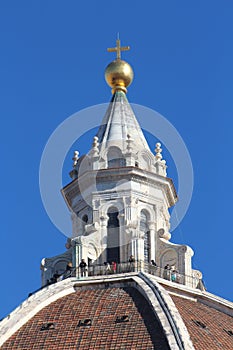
(114, 175)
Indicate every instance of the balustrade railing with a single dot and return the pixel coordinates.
(126, 267)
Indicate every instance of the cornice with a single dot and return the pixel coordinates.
(118, 174)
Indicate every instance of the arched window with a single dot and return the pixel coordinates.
(113, 246)
(115, 158)
(145, 228)
(84, 222)
(85, 218)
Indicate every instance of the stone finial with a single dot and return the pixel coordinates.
(95, 146)
(158, 151)
(75, 158)
(160, 163)
(95, 142)
(42, 265)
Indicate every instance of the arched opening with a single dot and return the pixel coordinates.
(113, 241)
(115, 158)
(84, 222)
(145, 228)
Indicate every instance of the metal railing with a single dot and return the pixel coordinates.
(126, 267)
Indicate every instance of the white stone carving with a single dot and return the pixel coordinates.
(138, 182)
(164, 234)
(90, 228)
(95, 147)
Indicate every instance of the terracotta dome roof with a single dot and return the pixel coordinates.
(125, 311)
(208, 328)
(114, 318)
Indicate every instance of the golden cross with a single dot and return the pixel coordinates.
(118, 49)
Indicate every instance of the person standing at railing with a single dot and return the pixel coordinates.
(54, 278)
(107, 268)
(153, 263)
(68, 271)
(153, 267)
(131, 263)
(114, 266)
(69, 268)
(167, 272)
(83, 268)
(174, 275)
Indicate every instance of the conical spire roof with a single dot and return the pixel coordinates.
(119, 122)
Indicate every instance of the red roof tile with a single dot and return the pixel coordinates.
(208, 327)
(57, 326)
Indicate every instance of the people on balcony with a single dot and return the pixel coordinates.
(107, 268)
(54, 278)
(131, 263)
(114, 266)
(83, 268)
(167, 272)
(174, 275)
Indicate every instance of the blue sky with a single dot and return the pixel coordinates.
(53, 55)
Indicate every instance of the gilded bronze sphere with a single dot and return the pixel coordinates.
(119, 75)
